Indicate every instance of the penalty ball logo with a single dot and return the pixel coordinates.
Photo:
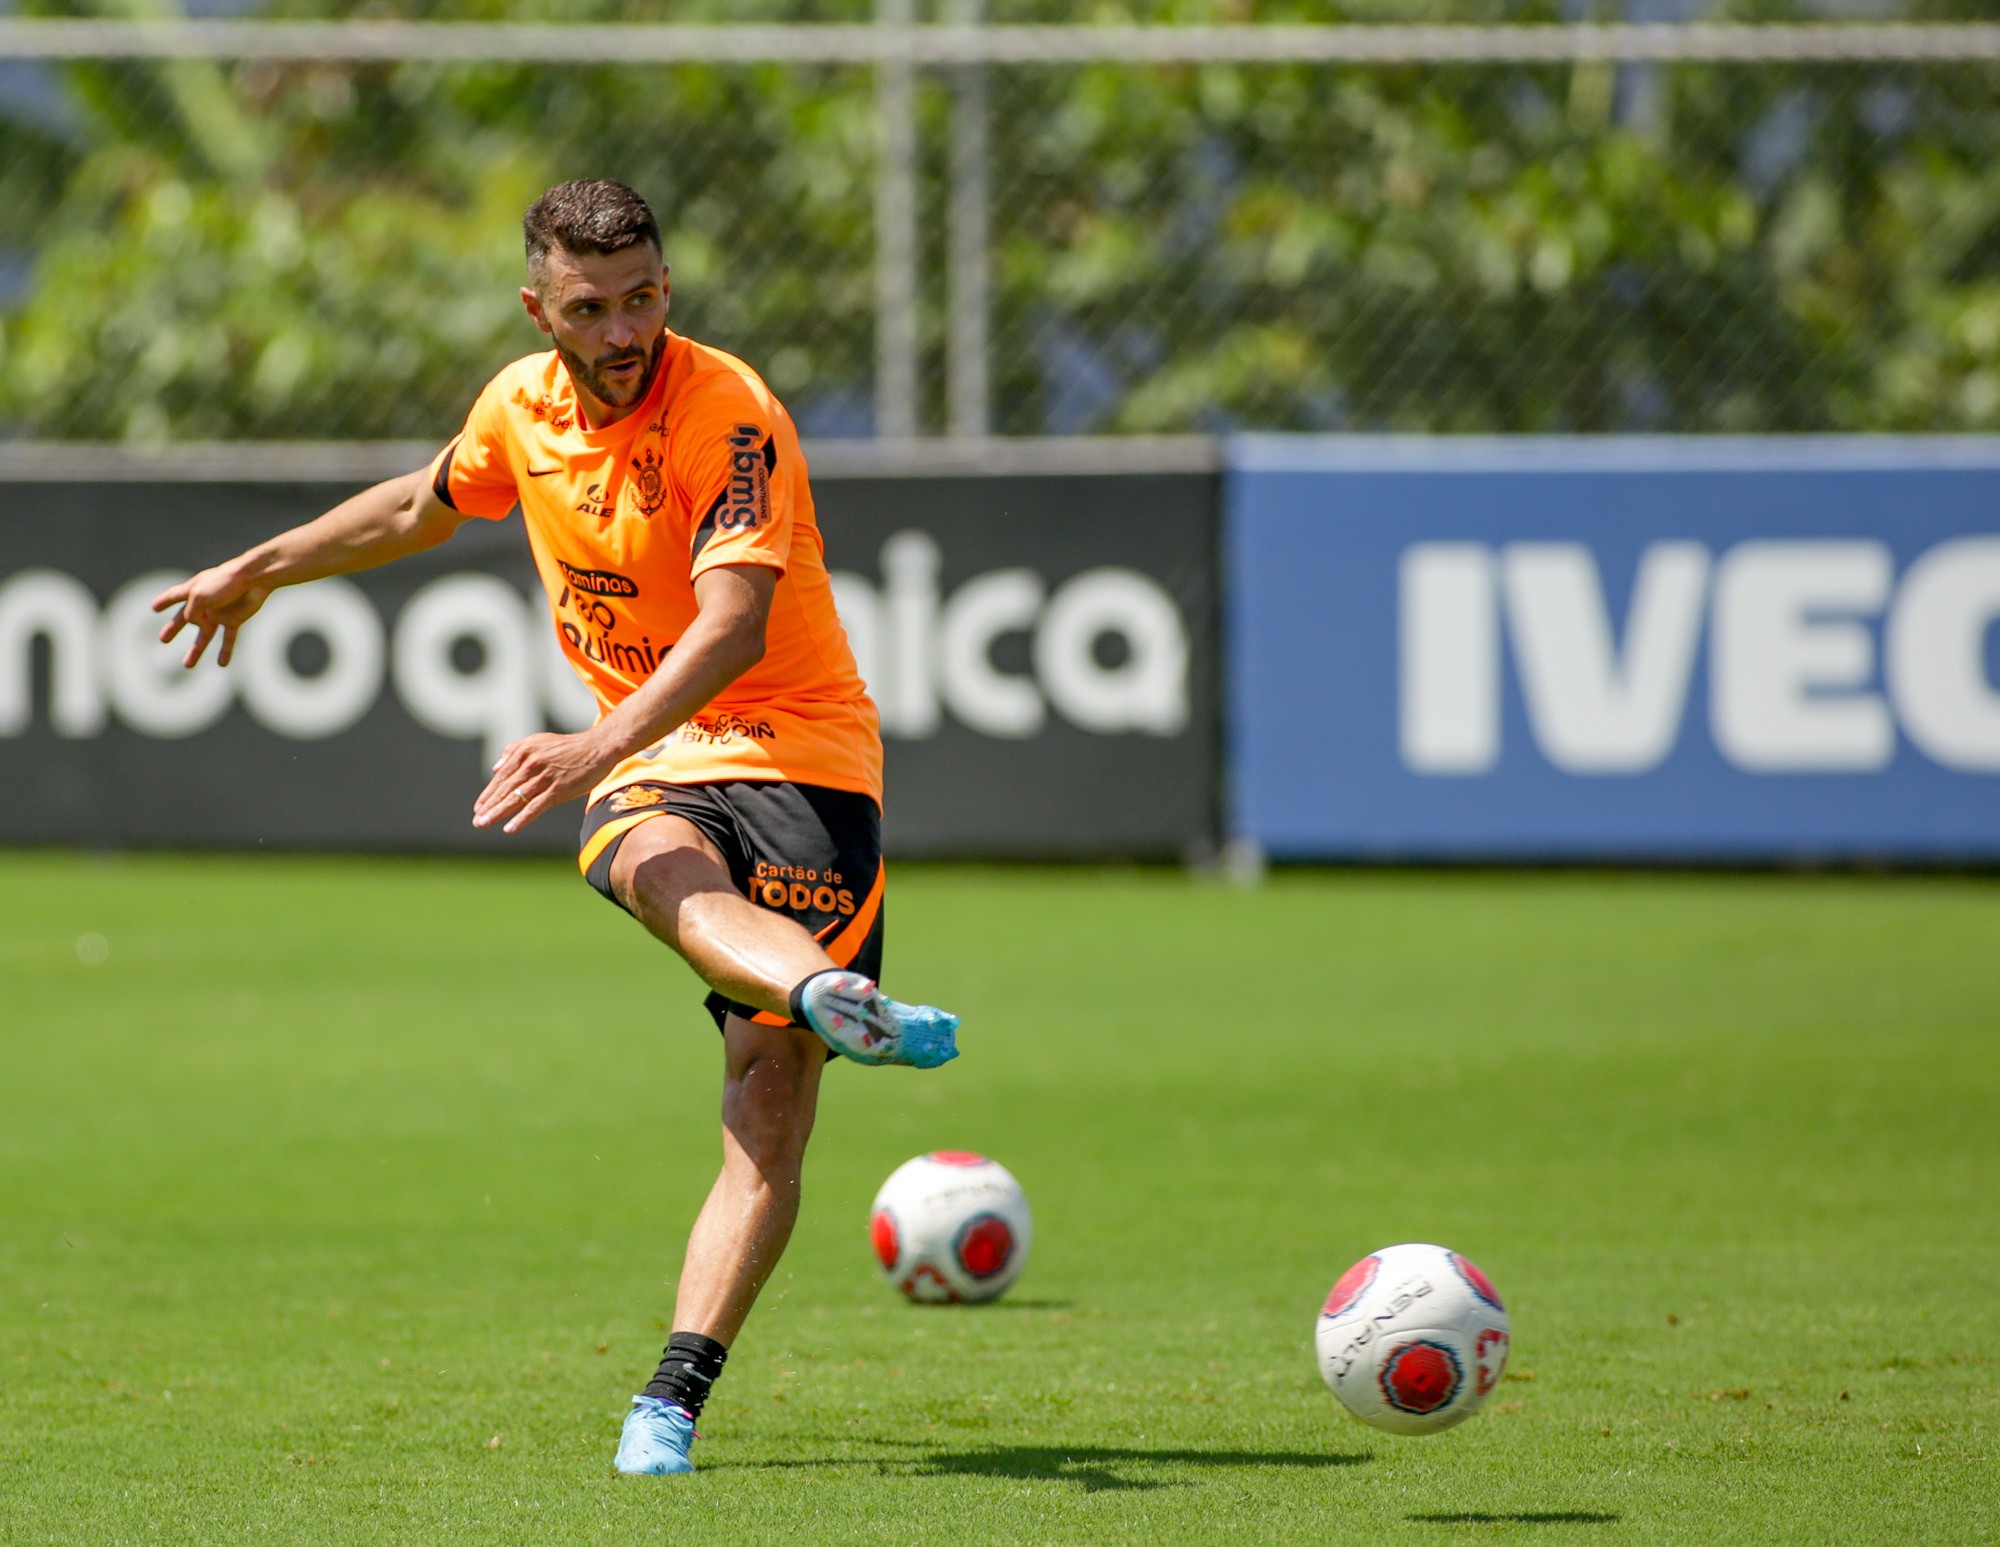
(1420, 1377)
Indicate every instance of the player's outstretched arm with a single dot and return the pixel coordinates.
(396, 518)
(725, 640)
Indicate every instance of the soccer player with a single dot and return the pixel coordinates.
(735, 769)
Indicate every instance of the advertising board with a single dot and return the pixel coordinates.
(1042, 647)
(1620, 649)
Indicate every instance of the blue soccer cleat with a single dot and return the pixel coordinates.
(655, 1440)
(857, 1020)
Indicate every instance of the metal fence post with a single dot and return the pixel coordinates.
(969, 386)
(895, 234)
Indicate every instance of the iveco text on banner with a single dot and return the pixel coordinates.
(1616, 648)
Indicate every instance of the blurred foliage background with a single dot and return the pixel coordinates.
(204, 250)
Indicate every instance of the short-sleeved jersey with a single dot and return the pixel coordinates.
(707, 471)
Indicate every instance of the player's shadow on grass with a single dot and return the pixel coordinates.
(1091, 1466)
(1553, 1517)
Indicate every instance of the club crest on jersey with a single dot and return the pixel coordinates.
(746, 500)
(649, 482)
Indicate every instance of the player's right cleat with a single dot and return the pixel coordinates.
(857, 1020)
(655, 1440)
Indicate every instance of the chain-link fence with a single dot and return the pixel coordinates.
(204, 249)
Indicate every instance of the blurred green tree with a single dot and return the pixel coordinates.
(266, 250)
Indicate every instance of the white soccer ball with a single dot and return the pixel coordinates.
(1412, 1339)
(951, 1226)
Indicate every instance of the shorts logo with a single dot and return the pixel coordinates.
(649, 477)
(597, 582)
(635, 797)
(797, 889)
(1420, 1377)
(746, 501)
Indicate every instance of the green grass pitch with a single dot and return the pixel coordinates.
(340, 1203)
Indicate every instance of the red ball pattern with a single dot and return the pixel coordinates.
(1420, 1377)
(1480, 1283)
(1350, 1286)
(882, 1231)
(985, 1245)
(956, 1158)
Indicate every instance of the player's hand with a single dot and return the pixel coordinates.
(216, 599)
(537, 774)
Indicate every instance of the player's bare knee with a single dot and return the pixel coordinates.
(661, 864)
(655, 885)
(770, 1101)
(772, 1139)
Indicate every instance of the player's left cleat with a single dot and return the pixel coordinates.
(655, 1440)
(856, 1019)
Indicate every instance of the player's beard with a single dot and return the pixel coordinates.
(589, 374)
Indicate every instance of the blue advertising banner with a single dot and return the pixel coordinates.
(1615, 648)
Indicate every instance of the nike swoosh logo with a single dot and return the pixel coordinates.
(542, 472)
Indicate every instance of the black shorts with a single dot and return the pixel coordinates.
(812, 854)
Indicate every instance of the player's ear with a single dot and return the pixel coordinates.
(533, 303)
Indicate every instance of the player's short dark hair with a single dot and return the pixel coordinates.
(589, 218)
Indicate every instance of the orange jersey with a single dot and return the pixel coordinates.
(706, 471)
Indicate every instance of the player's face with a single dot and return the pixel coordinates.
(607, 314)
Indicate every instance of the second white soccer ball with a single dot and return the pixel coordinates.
(951, 1226)
(1413, 1339)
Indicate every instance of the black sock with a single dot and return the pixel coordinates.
(689, 1367)
(799, 994)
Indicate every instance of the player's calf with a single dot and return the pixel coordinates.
(857, 1020)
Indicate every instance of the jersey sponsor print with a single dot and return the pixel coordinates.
(706, 472)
